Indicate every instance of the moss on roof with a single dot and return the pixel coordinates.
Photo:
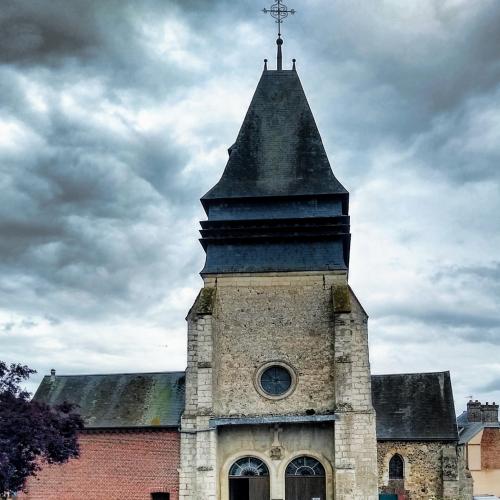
(120, 400)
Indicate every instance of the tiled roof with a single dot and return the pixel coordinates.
(414, 406)
(417, 406)
(467, 430)
(119, 400)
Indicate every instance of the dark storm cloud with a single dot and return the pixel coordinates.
(416, 76)
(453, 318)
(49, 33)
(111, 40)
(82, 199)
(456, 303)
(443, 56)
(443, 311)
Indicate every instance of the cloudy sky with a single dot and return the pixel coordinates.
(116, 115)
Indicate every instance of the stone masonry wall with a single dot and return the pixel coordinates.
(276, 448)
(113, 466)
(274, 318)
(313, 323)
(197, 478)
(355, 442)
(423, 473)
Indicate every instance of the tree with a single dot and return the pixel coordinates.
(31, 433)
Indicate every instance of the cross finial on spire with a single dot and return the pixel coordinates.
(279, 11)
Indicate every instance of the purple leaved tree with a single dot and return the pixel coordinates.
(31, 433)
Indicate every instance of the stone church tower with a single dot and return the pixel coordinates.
(278, 390)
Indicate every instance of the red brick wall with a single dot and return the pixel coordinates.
(113, 466)
(490, 448)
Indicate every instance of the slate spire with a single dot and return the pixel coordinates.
(278, 205)
(278, 151)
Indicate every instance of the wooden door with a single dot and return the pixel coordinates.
(305, 488)
(249, 488)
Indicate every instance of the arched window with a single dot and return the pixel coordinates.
(396, 467)
(305, 466)
(248, 466)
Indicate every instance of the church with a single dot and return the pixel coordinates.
(277, 401)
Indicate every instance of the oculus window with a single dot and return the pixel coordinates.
(275, 380)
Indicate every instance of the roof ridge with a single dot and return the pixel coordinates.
(117, 373)
(408, 373)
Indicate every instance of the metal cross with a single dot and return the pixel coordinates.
(279, 11)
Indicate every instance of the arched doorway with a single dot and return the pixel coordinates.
(249, 480)
(305, 479)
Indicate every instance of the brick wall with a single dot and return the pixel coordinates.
(490, 448)
(113, 466)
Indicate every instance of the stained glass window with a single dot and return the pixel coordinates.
(396, 467)
(276, 380)
(305, 466)
(248, 466)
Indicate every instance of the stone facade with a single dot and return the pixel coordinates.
(264, 319)
(276, 446)
(312, 323)
(432, 470)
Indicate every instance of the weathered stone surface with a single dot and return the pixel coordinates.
(287, 319)
(431, 470)
(313, 440)
(204, 302)
(341, 299)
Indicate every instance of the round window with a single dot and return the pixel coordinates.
(275, 380)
